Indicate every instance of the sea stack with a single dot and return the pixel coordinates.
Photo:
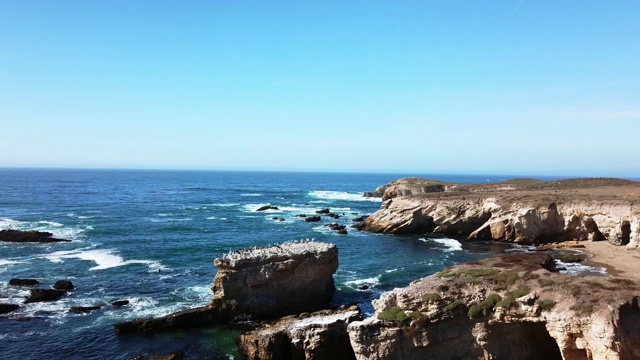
(279, 280)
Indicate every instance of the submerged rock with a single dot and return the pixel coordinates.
(19, 236)
(312, 218)
(319, 335)
(120, 303)
(23, 282)
(7, 308)
(267, 207)
(323, 211)
(83, 309)
(186, 319)
(63, 285)
(40, 295)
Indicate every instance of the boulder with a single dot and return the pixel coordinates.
(312, 219)
(40, 295)
(83, 309)
(316, 336)
(342, 232)
(284, 279)
(120, 303)
(333, 216)
(323, 211)
(7, 308)
(63, 285)
(301, 215)
(360, 218)
(31, 236)
(197, 317)
(23, 282)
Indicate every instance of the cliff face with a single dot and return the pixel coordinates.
(316, 336)
(281, 280)
(521, 211)
(510, 307)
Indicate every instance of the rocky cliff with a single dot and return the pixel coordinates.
(258, 283)
(280, 280)
(510, 307)
(524, 211)
(316, 336)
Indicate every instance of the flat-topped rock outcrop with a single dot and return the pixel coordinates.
(269, 282)
(31, 236)
(524, 211)
(258, 283)
(509, 307)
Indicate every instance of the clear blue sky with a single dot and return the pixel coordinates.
(529, 87)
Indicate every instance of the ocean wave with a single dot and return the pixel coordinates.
(250, 195)
(164, 220)
(58, 230)
(450, 244)
(4, 262)
(371, 282)
(104, 259)
(575, 268)
(341, 195)
(225, 204)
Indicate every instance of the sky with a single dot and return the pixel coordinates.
(505, 87)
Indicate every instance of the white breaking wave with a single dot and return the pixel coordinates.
(57, 229)
(575, 268)
(250, 195)
(4, 262)
(372, 281)
(105, 259)
(341, 195)
(450, 244)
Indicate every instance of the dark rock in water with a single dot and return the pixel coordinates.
(301, 215)
(274, 218)
(40, 295)
(7, 308)
(342, 232)
(63, 285)
(368, 194)
(119, 303)
(361, 218)
(267, 207)
(323, 211)
(83, 309)
(363, 287)
(23, 282)
(312, 219)
(334, 216)
(358, 226)
(335, 227)
(19, 236)
(186, 319)
(177, 355)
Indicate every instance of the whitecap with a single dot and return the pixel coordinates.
(211, 218)
(105, 259)
(372, 281)
(250, 195)
(342, 195)
(225, 204)
(450, 244)
(51, 223)
(4, 262)
(576, 268)
(57, 229)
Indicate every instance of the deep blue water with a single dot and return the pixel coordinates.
(151, 236)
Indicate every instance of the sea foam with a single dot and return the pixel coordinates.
(341, 195)
(105, 259)
(450, 244)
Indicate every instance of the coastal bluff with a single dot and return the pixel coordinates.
(258, 283)
(525, 211)
(509, 307)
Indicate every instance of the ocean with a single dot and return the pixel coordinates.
(150, 237)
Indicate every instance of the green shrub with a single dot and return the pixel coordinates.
(446, 273)
(394, 313)
(454, 305)
(492, 300)
(546, 282)
(506, 303)
(431, 297)
(415, 315)
(510, 300)
(475, 311)
(546, 305)
(521, 291)
(481, 272)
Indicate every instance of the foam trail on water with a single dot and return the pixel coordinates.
(341, 195)
(450, 244)
(105, 259)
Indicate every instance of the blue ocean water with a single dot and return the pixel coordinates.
(150, 237)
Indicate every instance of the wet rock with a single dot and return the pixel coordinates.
(40, 295)
(342, 232)
(267, 207)
(23, 282)
(301, 215)
(333, 216)
(83, 309)
(363, 287)
(7, 308)
(359, 226)
(63, 285)
(323, 211)
(186, 319)
(312, 219)
(19, 236)
(335, 227)
(120, 303)
(361, 218)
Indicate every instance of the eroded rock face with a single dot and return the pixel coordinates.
(284, 279)
(529, 214)
(509, 307)
(316, 336)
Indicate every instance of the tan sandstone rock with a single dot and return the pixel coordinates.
(510, 307)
